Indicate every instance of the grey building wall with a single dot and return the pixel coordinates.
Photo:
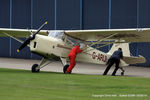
(73, 14)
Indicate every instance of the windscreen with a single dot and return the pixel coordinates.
(56, 34)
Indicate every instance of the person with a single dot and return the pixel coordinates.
(115, 58)
(72, 56)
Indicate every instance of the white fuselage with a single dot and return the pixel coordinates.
(92, 55)
(45, 46)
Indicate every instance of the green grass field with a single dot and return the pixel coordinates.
(24, 85)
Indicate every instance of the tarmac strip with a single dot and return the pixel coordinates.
(81, 68)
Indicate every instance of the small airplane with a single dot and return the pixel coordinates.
(59, 43)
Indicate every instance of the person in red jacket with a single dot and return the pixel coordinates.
(72, 56)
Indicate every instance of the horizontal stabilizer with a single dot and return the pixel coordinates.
(134, 60)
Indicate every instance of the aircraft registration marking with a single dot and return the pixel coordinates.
(100, 57)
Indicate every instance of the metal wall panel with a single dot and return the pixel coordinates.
(21, 18)
(73, 14)
(4, 13)
(143, 49)
(4, 23)
(144, 13)
(4, 47)
(95, 14)
(24, 53)
(43, 10)
(133, 49)
(124, 14)
(35, 56)
(67, 14)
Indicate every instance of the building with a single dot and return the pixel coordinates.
(73, 14)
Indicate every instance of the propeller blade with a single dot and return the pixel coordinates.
(27, 41)
(39, 29)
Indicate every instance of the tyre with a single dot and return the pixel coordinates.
(65, 69)
(122, 73)
(34, 68)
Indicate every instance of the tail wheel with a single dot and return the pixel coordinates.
(35, 69)
(122, 73)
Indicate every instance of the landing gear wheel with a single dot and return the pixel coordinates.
(122, 73)
(34, 68)
(65, 69)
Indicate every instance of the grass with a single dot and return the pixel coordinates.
(24, 85)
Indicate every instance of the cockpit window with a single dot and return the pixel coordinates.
(56, 34)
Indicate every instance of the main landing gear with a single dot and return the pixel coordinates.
(36, 68)
(64, 63)
(65, 69)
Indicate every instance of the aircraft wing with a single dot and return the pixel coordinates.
(128, 35)
(19, 32)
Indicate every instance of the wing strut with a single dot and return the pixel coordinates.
(14, 37)
(99, 41)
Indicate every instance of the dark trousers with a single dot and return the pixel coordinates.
(110, 63)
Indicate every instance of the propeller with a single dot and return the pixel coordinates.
(31, 37)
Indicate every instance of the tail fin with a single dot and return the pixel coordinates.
(127, 59)
(124, 46)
